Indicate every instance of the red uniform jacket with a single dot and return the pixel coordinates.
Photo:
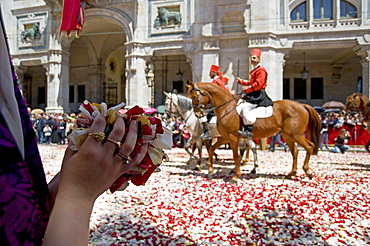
(219, 82)
(257, 81)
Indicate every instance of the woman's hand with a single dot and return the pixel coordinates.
(95, 167)
(84, 176)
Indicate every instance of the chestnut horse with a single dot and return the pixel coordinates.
(290, 118)
(362, 104)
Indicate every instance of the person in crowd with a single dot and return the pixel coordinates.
(253, 93)
(39, 127)
(55, 138)
(340, 121)
(69, 125)
(340, 142)
(324, 132)
(47, 133)
(277, 138)
(185, 135)
(176, 127)
(61, 131)
(33, 212)
(333, 120)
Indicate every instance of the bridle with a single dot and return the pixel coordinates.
(170, 112)
(201, 106)
(198, 105)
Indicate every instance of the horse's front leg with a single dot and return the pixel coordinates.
(211, 151)
(252, 146)
(199, 145)
(189, 148)
(234, 147)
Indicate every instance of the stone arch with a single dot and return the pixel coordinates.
(113, 14)
(295, 4)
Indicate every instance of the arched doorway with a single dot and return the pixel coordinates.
(97, 59)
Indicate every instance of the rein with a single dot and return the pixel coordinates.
(201, 106)
(218, 120)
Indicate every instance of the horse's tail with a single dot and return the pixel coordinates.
(314, 127)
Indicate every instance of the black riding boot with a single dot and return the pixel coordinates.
(247, 131)
(206, 135)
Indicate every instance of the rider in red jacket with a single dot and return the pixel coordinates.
(216, 75)
(254, 91)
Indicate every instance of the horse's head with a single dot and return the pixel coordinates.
(353, 102)
(199, 99)
(171, 103)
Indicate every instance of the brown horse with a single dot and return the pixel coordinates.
(290, 118)
(362, 104)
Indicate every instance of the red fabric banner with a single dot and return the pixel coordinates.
(72, 17)
(359, 135)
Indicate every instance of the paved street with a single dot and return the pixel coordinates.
(180, 206)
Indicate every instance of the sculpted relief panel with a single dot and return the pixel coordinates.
(31, 30)
(168, 17)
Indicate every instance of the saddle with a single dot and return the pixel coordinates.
(260, 112)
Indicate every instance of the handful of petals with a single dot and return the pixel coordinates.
(150, 131)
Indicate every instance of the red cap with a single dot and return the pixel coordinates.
(256, 52)
(214, 68)
(225, 80)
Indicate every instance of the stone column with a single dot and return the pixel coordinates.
(64, 82)
(97, 78)
(274, 63)
(19, 71)
(53, 72)
(366, 76)
(137, 87)
(364, 53)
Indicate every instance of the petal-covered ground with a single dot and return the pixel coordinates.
(180, 206)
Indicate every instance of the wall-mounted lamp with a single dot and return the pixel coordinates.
(304, 72)
(179, 75)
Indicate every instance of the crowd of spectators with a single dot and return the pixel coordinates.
(52, 128)
(338, 120)
(180, 134)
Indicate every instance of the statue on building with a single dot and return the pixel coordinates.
(165, 17)
(31, 34)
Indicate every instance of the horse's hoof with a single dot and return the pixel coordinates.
(288, 176)
(309, 175)
(253, 171)
(234, 180)
(196, 168)
(210, 175)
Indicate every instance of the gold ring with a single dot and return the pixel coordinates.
(117, 143)
(98, 136)
(127, 159)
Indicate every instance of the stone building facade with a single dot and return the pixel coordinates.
(133, 50)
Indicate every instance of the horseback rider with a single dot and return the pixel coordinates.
(216, 75)
(253, 93)
(224, 82)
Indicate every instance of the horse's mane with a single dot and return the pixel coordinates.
(216, 89)
(184, 101)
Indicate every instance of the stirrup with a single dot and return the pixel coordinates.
(245, 134)
(206, 136)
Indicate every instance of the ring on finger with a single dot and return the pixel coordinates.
(126, 159)
(98, 136)
(117, 143)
